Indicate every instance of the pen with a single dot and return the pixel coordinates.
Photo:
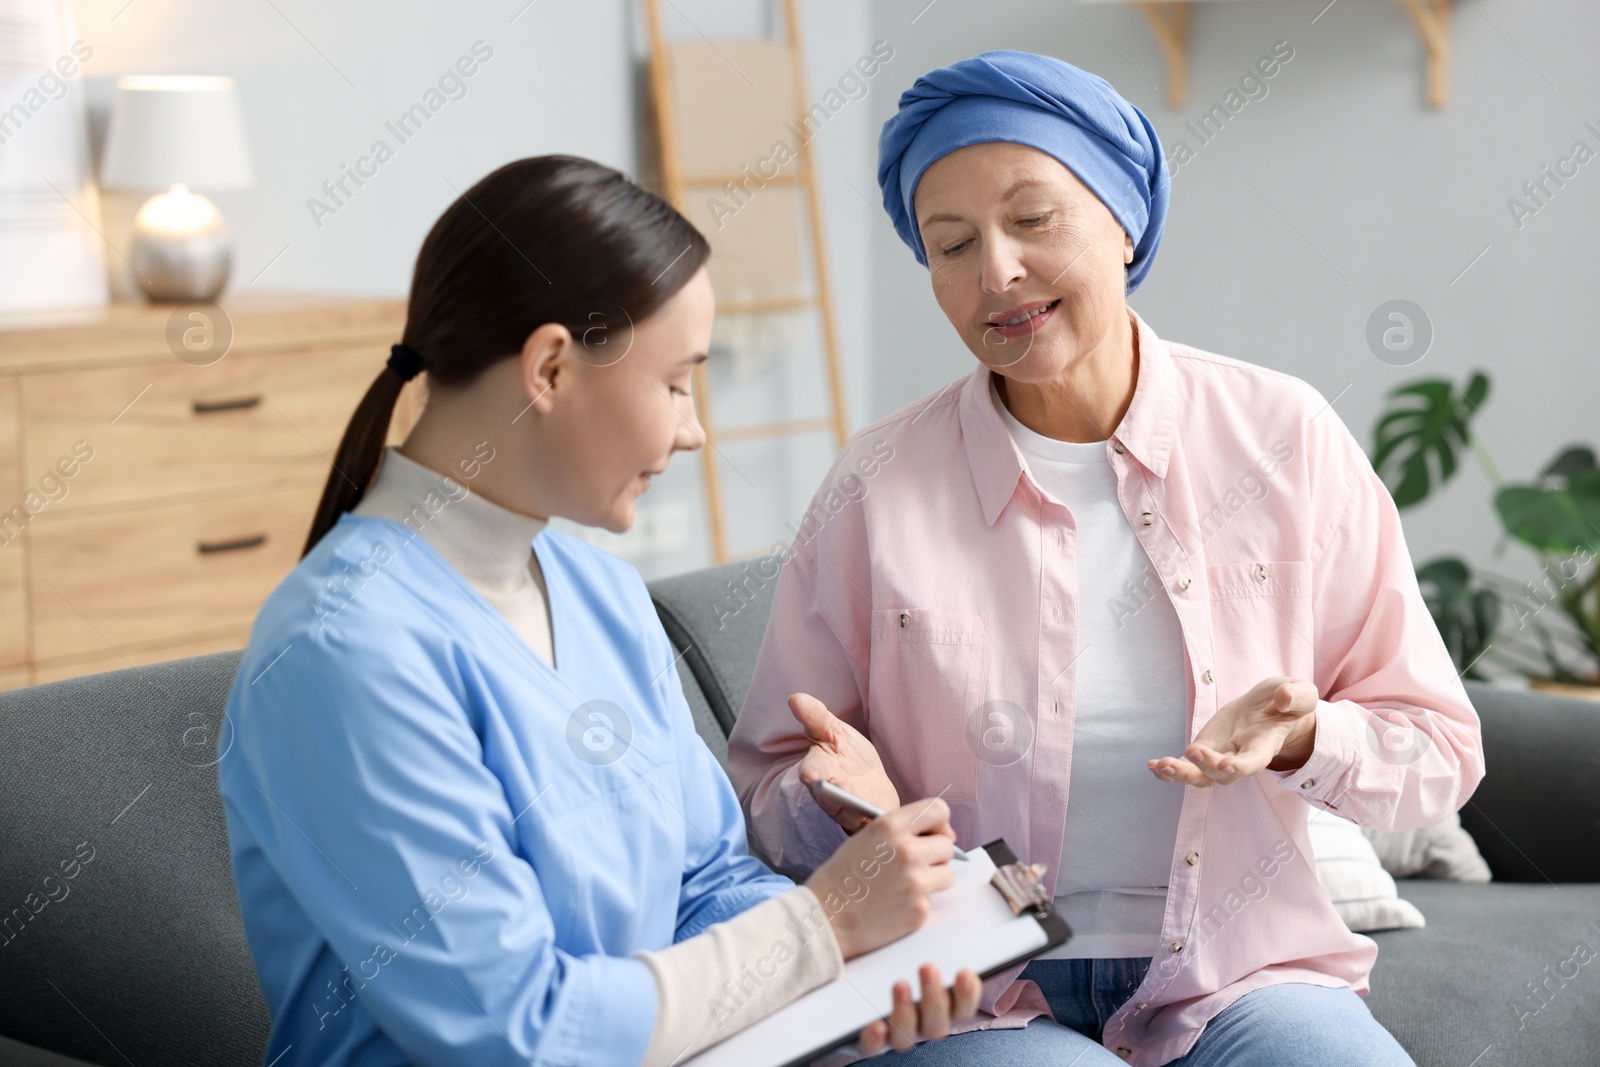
(855, 804)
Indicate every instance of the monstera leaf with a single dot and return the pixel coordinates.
(1417, 439)
(1465, 613)
(1561, 512)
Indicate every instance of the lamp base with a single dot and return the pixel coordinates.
(181, 250)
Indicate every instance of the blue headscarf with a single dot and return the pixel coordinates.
(1044, 103)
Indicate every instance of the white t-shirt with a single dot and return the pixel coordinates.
(1122, 823)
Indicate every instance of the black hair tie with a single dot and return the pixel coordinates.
(404, 362)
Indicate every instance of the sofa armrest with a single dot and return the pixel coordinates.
(1536, 815)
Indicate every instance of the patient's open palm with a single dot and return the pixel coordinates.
(842, 755)
(1245, 736)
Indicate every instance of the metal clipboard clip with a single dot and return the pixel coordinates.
(1020, 884)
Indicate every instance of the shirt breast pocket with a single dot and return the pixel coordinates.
(1261, 623)
(929, 673)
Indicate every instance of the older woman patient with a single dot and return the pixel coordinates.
(1135, 607)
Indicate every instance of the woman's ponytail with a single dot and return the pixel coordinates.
(361, 447)
(545, 239)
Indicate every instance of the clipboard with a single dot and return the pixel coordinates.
(996, 916)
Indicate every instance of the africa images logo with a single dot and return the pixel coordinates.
(1396, 739)
(599, 732)
(999, 733)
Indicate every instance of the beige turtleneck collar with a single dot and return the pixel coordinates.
(488, 545)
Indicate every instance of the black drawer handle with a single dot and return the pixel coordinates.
(231, 546)
(204, 407)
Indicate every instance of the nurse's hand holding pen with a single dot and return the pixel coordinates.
(875, 888)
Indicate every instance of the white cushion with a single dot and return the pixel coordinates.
(1363, 893)
(1444, 850)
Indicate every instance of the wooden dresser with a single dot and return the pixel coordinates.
(201, 478)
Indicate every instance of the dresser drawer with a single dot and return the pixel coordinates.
(77, 667)
(10, 458)
(171, 428)
(152, 576)
(13, 604)
(129, 332)
(13, 582)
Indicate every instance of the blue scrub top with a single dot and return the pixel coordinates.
(445, 850)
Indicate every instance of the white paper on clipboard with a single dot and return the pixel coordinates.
(971, 927)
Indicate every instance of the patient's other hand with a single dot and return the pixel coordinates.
(841, 755)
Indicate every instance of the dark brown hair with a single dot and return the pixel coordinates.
(546, 239)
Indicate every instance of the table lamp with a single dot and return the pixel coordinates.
(177, 133)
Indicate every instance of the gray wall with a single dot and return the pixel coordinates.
(1362, 194)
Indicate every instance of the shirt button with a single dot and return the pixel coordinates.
(1144, 1004)
(905, 620)
(1261, 573)
(1147, 518)
(1124, 1051)
(1183, 583)
(1308, 783)
(1117, 446)
(1206, 677)
(1176, 946)
(1192, 858)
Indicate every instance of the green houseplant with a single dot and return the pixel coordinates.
(1546, 629)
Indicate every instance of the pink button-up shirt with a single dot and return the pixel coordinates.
(930, 599)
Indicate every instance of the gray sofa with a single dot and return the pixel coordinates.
(141, 957)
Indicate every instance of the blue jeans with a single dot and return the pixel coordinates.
(1293, 1022)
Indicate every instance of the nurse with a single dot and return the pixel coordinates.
(469, 816)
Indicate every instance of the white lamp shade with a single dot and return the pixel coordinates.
(176, 128)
